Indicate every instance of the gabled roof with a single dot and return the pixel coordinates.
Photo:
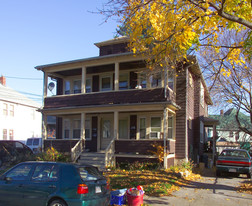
(228, 120)
(9, 95)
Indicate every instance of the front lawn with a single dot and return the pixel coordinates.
(156, 182)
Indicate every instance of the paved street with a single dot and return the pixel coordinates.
(209, 191)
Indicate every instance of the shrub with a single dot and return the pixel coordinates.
(53, 155)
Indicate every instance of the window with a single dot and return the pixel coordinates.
(5, 109)
(123, 81)
(21, 172)
(170, 127)
(11, 134)
(77, 86)
(66, 129)
(76, 129)
(142, 128)
(123, 129)
(155, 127)
(171, 80)
(88, 129)
(201, 94)
(88, 85)
(106, 84)
(46, 173)
(156, 80)
(4, 134)
(106, 129)
(12, 110)
(142, 80)
(67, 87)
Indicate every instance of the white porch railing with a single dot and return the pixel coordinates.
(77, 150)
(109, 154)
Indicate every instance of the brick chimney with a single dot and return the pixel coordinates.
(3, 80)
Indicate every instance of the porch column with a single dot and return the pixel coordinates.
(83, 121)
(83, 79)
(116, 76)
(165, 130)
(45, 84)
(116, 124)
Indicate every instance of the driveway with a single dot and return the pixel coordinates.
(208, 191)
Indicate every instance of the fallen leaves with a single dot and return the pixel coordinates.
(246, 187)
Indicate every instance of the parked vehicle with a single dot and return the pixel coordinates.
(53, 184)
(11, 150)
(236, 161)
(35, 144)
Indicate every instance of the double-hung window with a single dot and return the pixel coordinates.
(142, 128)
(123, 81)
(67, 87)
(88, 85)
(66, 128)
(77, 86)
(155, 127)
(156, 80)
(106, 83)
(76, 129)
(88, 129)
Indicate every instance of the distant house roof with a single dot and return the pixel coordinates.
(228, 120)
(9, 95)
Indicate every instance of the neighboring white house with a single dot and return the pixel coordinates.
(19, 118)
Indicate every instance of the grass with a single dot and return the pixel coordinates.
(155, 182)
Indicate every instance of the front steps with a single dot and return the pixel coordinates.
(96, 159)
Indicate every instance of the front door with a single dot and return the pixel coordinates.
(106, 132)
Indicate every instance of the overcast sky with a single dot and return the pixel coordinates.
(37, 32)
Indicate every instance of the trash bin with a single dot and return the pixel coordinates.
(135, 196)
(118, 197)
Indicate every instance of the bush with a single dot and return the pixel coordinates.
(53, 155)
(139, 166)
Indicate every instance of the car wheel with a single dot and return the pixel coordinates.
(58, 202)
(218, 173)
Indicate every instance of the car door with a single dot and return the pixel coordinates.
(43, 183)
(12, 183)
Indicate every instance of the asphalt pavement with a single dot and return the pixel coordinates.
(208, 191)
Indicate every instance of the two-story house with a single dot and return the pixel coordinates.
(113, 104)
(19, 117)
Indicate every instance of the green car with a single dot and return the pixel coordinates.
(53, 184)
(236, 161)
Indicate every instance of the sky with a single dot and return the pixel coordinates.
(38, 32)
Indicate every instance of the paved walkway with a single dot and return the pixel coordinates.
(208, 191)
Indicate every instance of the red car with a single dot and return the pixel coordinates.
(235, 161)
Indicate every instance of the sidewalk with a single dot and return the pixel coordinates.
(208, 191)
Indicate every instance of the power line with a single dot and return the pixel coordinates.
(23, 78)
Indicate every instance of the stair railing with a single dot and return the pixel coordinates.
(109, 154)
(77, 150)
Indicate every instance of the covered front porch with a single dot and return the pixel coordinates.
(120, 132)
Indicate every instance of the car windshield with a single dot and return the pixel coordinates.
(90, 173)
(234, 153)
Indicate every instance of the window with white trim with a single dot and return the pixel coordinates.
(12, 110)
(155, 127)
(4, 134)
(88, 85)
(67, 87)
(76, 129)
(142, 80)
(66, 128)
(123, 129)
(77, 86)
(156, 80)
(106, 83)
(123, 81)
(142, 129)
(5, 109)
(170, 127)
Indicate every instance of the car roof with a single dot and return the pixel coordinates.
(235, 150)
(59, 163)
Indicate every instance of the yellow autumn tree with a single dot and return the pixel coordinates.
(170, 29)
